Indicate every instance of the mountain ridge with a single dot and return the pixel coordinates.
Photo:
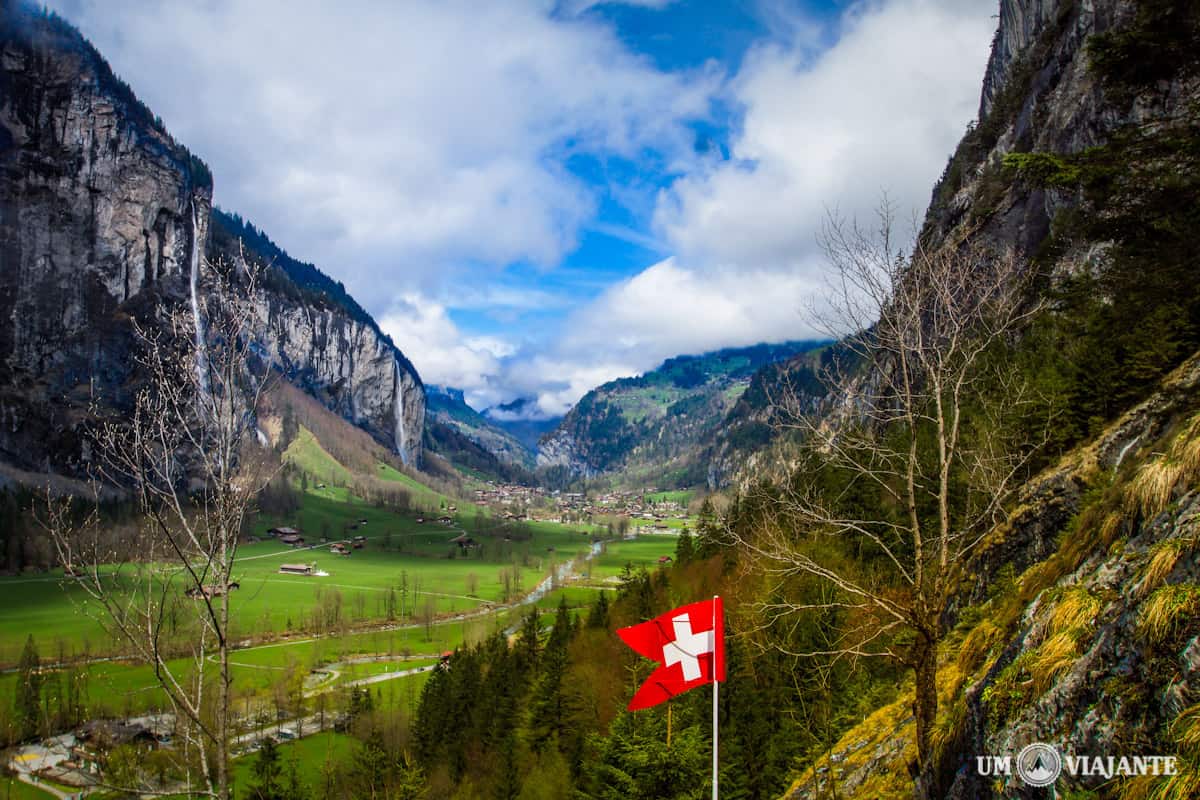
(102, 211)
(655, 422)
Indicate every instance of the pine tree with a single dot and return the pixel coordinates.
(294, 788)
(265, 773)
(683, 547)
(598, 616)
(548, 715)
(27, 700)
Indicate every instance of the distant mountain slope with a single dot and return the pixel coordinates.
(520, 420)
(759, 419)
(656, 424)
(448, 407)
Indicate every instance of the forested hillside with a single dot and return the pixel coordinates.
(651, 428)
(983, 534)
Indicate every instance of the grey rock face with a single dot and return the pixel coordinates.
(559, 449)
(100, 211)
(346, 365)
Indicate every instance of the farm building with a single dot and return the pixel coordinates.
(463, 541)
(337, 548)
(106, 734)
(292, 539)
(284, 532)
(296, 569)
(195, 592)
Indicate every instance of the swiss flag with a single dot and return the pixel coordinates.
(689, 645)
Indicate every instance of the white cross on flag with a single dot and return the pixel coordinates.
(688, 643)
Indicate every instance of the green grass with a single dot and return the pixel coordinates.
(309, 754)
(642, 552)
(13, 789)
(281, 612)
(681, 496)
(306, 453)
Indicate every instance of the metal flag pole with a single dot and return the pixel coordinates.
(715, 685)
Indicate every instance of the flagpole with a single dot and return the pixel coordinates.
(716, 684)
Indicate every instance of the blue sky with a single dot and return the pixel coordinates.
(535, 197)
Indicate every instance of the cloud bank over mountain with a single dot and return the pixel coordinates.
(449, 161)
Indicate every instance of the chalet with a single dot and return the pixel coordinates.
(359, 544)
(296, 569)
(360, 538)
(420, 520)
(445, 520)
(197, 592)
(281, 532)
(339, 549)
(291, 539)
(463, 541)
(105, 734)
(362, 521)
(452, 509)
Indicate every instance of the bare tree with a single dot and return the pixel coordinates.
(918, 393)
(187, 453)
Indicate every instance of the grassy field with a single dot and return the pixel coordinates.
(641, 552)
(402, 558)
(13, 789)
(407, 571)
(310, 755)
(681, 496)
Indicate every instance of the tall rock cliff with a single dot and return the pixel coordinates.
(101, 213)
(1077, 623)
(325, 343)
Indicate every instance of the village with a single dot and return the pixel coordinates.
(646, 508)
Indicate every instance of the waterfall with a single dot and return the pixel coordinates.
(398, 404)
(201, 345)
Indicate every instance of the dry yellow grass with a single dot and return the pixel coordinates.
(1183, 786)
(976, 646)
(1163, 559)
(1076, 610)
(1186, 729)
(1139, 788)
(1052, 658)
(1156, 481)
(1166, 609)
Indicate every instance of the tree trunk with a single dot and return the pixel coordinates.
(925, 712)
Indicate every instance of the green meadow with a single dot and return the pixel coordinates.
(681, 496)
(645, 551)
(309, 755)
(406, 596)
(13, 789)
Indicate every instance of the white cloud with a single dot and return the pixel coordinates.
(411, 150)
(576, 7)
(442, 354)
(879, 111)
(397, 144)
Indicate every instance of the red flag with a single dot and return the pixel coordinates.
(688, 643)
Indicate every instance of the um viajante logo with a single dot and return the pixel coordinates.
(1040, 764)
